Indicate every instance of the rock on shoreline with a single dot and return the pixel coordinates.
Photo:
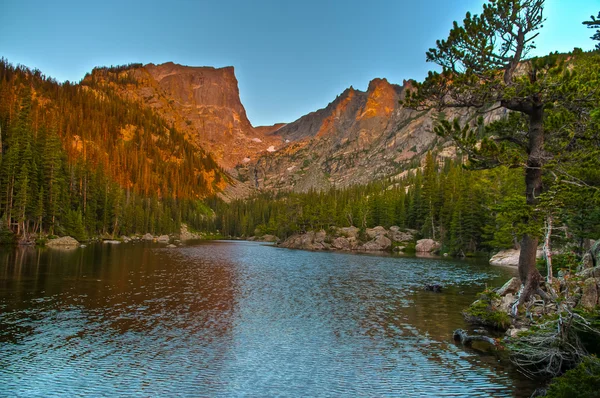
(349, 239)
(509, 257)
(62, 241)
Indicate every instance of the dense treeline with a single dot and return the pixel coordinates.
(83, 162)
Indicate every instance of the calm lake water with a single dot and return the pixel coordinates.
(239, 318)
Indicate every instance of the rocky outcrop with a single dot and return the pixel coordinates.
(185, 234)
(203, 103)
(65, 241)
(427, 246)
(347, 239)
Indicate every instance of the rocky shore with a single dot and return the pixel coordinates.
(355, 239)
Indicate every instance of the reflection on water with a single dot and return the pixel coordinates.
(225, 319)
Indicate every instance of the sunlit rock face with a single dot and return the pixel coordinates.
(360, 136)
(203, 102)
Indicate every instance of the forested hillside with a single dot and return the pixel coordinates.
(80, 161)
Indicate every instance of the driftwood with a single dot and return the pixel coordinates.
(466, 339)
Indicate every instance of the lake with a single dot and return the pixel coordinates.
(240, 318)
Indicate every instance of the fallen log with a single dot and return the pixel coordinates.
(466, 339)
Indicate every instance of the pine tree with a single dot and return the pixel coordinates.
(484, 64)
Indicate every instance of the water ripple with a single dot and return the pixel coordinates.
(231, 319)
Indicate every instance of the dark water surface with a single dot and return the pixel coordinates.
(239, 318)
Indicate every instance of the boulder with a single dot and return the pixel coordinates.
(320, 236)
(341, 243)
(349, 232)
(269, 238)
(125, 239)
(510, 287)
(171, 246)
(163, 239)
(507, 302)
(587, 262)
(427, 245)
(589, 297)
(399, 236)
(307, 241)
(64, 241)
(112, 241)
(148, 236)
(372, 233)
(510, 257)
(378, 244)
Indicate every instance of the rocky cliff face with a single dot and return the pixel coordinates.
(204, 102)
(359, 137)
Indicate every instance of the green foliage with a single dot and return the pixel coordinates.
(483, 312)
(594, 23)
(582, 381)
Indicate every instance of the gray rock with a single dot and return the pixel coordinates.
(148, 236)
(372, 233)
(399, 236)
(507, 302)
(510, 287)
(269, 238)
(341, 243)
(171, 246)
(427, 245)
(64, 241)
(589, 272)
(510, 257)
(378, 244)
(163, 239)
(589, 297)
(586, 262)
(349, 232)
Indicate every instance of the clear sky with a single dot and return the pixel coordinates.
(290, 57)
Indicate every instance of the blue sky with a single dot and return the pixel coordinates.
(290, 57)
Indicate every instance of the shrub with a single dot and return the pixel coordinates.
(583, 381)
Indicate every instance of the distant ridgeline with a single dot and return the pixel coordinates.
(83, 161)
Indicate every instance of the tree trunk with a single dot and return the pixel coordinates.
(528, 273)
(548, 248)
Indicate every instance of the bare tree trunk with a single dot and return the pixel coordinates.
(547, 248)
